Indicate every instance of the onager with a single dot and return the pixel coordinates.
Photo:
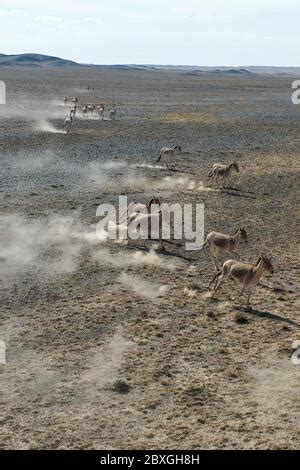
(247, 274)
(134, 208)
(85, 111)
(153, 222)
(100, 109)
(223, 171)
(73, 112)
(112, 114)
(169, 152)
(141, 216)
(91, 108)
(68, 123)
(222, 243)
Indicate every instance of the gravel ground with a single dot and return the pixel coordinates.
(113, 346)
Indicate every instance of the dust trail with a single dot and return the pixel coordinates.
(49, 245)
(202, 187)
(207, 295)
(183, 183)
(94, 117)
(31, 109)
(192, 269)
(173, 182)
(189, 292)
(34, 374)
(28, 374)
(28, 162)
(103, 365)
(123, 260)
(151, 259)
(55, 103)
(113, 175)
(139, 286)
(145, 165)
(224, 306)
(276, 387)
(46, 126)
(105, 258)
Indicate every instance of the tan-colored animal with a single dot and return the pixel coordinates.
(68, 124)
(85, 111)
(134, 207)
(100, 109)
(112, 114)
(222, 172)
(169, 152)
(91, 108)
(222, 243)
(247, 274)
(73, 112)
(142, 219)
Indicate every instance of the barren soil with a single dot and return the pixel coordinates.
(113, 346)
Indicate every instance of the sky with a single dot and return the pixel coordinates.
(185, 32)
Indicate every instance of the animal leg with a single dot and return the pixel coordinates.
(248, 298)
(214, 256)
(215, 260)
(240, 293)
(219, 281)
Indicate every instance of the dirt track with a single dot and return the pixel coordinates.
(97, 355)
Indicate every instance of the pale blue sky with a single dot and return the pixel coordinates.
(190, 32)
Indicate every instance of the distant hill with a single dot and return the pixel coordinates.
(223, 71)
(41, 60)
(38, 60)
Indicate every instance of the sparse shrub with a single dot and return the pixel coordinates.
(120, 386)
(240, 319)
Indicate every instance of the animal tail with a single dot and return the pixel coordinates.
(210, 173)
(204, 243)
(214, 278)
(159, 158)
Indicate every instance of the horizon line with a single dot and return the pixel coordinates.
(145, 63)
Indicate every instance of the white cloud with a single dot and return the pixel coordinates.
(207, 32)
(48, 19)
(97, 21)
(231, 8)
(12, 13)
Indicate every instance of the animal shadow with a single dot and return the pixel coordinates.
(268, 315)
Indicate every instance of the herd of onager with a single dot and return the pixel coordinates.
(88, 110)
(248, 275)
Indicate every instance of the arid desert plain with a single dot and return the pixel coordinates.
(121, 346)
